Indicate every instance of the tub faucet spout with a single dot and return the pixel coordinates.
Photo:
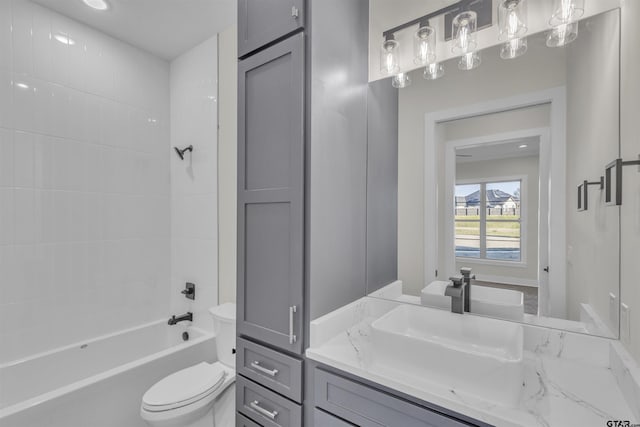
(174, 320)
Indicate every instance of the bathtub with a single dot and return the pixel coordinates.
(98, 382)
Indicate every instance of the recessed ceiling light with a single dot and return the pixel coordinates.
(97, 4)
(523, 146)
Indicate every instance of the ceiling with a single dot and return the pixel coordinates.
(501, 150)
(166, 28)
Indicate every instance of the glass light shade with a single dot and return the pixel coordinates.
(469, 61)
(566, 11)
(401, 80)
(424, 45)
(433, 71)
(389, 57)
(562, 34)
(512, 19)
(513, 48)
(464, 32)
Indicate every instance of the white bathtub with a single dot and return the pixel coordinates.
(98, 382)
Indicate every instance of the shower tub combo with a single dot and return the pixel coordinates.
(99, 382)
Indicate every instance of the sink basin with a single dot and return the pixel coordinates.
(486, 301)
(469, 355)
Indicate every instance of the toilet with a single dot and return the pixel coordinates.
(202, 395)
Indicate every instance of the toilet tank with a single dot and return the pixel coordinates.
(224, 325)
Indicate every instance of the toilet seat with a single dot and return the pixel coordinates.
(185, 387)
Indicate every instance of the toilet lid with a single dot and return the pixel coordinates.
(184, 387)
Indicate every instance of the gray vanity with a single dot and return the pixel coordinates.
(318, 231)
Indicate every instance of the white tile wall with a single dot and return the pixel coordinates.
(194, 180)
(84, 183)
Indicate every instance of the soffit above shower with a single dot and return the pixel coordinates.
(165, 28)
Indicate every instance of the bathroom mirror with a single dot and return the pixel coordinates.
(488, 163)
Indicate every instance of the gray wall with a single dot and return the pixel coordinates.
(382, 185)
(337, 154)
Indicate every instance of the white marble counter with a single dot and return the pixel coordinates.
(568, 379)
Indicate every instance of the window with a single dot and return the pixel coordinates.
(488, 224)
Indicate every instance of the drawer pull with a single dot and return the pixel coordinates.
(256, 406)
(256, 365)
(292, 337)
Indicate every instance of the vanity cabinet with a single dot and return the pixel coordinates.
(261, 22)
(353, 403)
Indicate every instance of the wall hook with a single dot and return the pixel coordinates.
(184, 150)
(583, 193)
(613, 180)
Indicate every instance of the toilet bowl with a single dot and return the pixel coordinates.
(200, 395)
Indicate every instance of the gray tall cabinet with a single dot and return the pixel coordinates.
(302, 191)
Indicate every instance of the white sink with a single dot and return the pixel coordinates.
(469, 355)
(486, 301)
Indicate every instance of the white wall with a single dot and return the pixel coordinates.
(228, 163)
(526, 167)
(494, 79)
(592, 142)
(84, 183)
(630, 142)
(194, 231)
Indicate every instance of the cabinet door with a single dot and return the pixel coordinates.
(262, 21)
(271, 195)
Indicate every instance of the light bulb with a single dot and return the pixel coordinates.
(566, 11)
(513, 48)
(424, 45)
(469, 61)
(464, 32)
(401, 80)
(512, 19)
(562, 34)
(433, 71)
(389, 57)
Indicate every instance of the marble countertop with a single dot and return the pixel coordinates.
(568, 380)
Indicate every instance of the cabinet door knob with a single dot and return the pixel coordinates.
(295, 12)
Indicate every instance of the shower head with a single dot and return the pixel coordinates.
(184, 150)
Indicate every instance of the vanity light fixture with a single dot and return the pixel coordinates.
(512, 24)
(100, 5)
(389, 56)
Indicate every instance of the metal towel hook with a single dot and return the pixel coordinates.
(184, 150)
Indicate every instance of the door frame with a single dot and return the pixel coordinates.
(553, 297)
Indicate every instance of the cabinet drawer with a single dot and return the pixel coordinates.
(266, 407)
(367, 407)
(277, 371)
(322, 419)
(242, 421)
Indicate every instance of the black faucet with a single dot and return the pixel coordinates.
(466, 276)
(456, 290)
(174, 320)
